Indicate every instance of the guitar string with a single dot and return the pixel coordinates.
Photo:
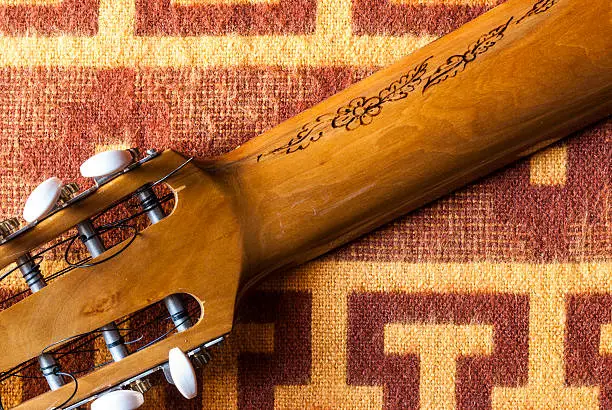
(72, 374)
(83, 337)
(122, 201)
(38, 257)
(84, 340)
(157, 319)
(76, 389)
(121, 224)
(76, 384)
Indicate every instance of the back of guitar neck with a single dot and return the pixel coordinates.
(508, 83)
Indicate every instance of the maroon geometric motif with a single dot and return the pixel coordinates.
(258, 373)
(554, 218)
(161, 18)
(369, 365)
(584, 366)
(69, 17)
(384, 17)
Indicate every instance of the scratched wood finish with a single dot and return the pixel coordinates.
(512, 81)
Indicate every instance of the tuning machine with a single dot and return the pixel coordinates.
(201, 357)
(43, 199)
(53, 195)
(8, 226)
(182, 373)
(46, 197)
(68, 191)
(40, 202)
(179, 370)
(33, 277)
(100, 166)
(108, 163)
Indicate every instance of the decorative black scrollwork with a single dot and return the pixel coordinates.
(359, 111)
(457, 63)
(540, 7)
(362, 110)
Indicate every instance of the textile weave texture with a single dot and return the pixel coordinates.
(497, 296)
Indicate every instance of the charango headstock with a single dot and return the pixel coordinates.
(450, 113)
(155, 230)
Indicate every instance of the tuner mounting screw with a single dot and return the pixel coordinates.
(141, 385)
(8, 226)
(69, 191)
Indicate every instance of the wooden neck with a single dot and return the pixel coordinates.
(512, 81)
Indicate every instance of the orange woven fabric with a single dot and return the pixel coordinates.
(498, 296)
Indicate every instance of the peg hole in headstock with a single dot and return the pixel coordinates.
(83, 354)
(196, 238)
(116, 226)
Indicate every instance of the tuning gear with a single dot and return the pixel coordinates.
(178, 313)
(99, 166)
(141, 385)
(107, 163)
(69, 191)
(50, 369)
(7, 227)
(35, 281)
(118, 400)
(110, 162)
(92, 241)
(201, 357)
(183, 373)
(42, 200)
(30, 270)
(174, 304)
(53, 196)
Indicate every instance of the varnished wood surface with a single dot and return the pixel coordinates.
(548, 76)
(196, 250)
(521, 76)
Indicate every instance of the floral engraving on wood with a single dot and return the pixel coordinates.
(361, 110)
(358, 112)
(540, 7)
(457, 63)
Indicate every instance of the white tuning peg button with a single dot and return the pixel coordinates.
(106, 163)
(118, 400)
(42, 200)
(183, 373)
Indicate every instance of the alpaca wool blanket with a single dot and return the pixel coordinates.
(497, 296)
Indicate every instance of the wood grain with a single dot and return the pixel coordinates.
(548, 75)
(510, 82)
(196, 250)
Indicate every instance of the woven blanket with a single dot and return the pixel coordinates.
(497, 296)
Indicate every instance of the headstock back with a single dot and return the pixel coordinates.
(195, 250)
